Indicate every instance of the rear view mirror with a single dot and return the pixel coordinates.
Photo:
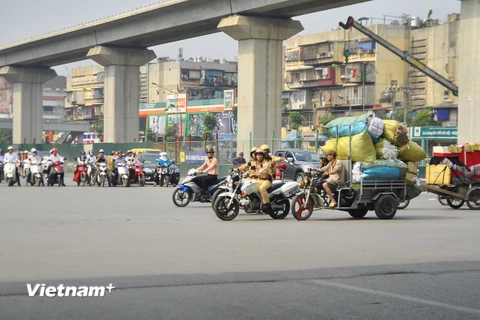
(290, 159)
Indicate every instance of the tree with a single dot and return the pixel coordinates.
(171, 133)
(6, 136)
(296, 120)
(399, 117)
(423, 119)
(151, 136)
(326, 119)
(209, 125)
(98, 125)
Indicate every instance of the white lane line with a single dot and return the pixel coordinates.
(398, 296)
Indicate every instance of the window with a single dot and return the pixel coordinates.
(47, 109)
(1, 97)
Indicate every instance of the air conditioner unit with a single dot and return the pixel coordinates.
(288, 127)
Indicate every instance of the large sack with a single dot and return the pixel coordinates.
(347, 130)
(375, 127)
(384, 173)
(395, 133)
(412, 152)
(359, 147)
(413, 192)
(385, 150)
(384, 163)
(348, 121)
(379, 149)
(340, 148)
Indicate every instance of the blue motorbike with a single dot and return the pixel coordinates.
(189, 190)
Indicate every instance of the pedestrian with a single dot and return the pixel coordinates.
(239, 161)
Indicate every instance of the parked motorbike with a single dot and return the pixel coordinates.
(56, 173)
(189, 190)
(246, 196)
(102, 175)
(36, 174)
(9, 172)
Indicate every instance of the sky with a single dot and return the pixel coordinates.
(51, 15)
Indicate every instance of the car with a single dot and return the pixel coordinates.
(146, 150)
(298, 162)
(149, 161)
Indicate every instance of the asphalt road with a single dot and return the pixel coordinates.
(171, 263)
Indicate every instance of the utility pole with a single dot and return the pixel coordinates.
(406, 91)
(364, 67)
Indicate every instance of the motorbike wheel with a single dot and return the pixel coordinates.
(215, 195)
(279, 214)
(166, 181)
(141, 181)
(103, 181)
(181, 199)
(10, 182)
(455, 203)
(38, 181)
(78, 183)
(125, 182)
(225, 212)
(403, 205)
(358, 213)
(83, 179)
(297, 211)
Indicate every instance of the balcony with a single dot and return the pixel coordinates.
(319, 77)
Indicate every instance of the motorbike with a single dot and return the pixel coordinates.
(56, 173)
(246, 196)
(9, 172)
(167, 174)
(139, 175)
(102, 175)
(91, 174)
(122, 177)
(26, 168)
(36, 173)
(189, 190)
(45, 167)
(82, 169)
(308, 200)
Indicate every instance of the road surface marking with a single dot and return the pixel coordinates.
(398, 296)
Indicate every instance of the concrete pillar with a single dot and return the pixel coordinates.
(260, 75)
(122, 90)
(469, 90)
(27, 101)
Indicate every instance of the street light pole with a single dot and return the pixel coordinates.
(364, 67)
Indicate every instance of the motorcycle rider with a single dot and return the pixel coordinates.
(131, 164)
(82, 160)
(263, 174)
(1, 167)
(91, 166)
(252, 153)
(34, 158)
(111, 165)
(271, 159)
(335, 172)
(10, 156)
(210, 167)
(23, 158)
(161, 161)
(55, 157)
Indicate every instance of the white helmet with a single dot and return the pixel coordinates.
(33, 150)
(163, 154)
(101, 151)
(10, 148)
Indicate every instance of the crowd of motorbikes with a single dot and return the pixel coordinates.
(89, 174)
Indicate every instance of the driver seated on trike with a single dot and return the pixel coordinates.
(333, 175)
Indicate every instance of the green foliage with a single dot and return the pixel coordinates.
(209, 124)
(399, 117)
(151, 136)
(6, 136)
(326, 119)
(170, 133)
(295, 120)
(98, 125)
(423, 119)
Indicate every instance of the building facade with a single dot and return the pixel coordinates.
(85, 95)
(344, 72)
(54, 93)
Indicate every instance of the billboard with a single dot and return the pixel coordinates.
(226, 123)
(229, 99)
(157, 124)
(177, 119)
(195, 124)
(177, 101)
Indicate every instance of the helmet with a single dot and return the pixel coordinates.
(54, 150)
(25, 152)
(253, 150)
(101, 151)
(210, 150)
(10, 148)
(265, 148)
(163, 154)
(82, 153)
(90, 152)
(259, 151)
(33, 150)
